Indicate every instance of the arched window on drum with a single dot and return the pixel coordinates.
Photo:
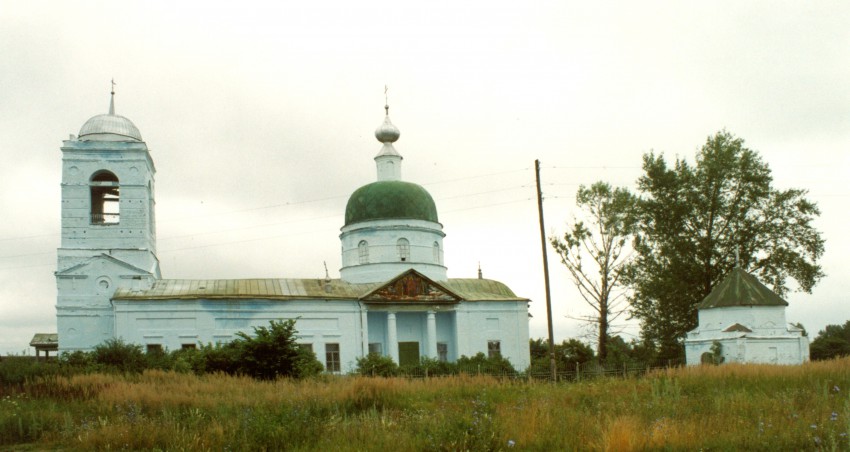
(363, 252)
(403, 246)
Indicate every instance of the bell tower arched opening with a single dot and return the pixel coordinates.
(105, 199)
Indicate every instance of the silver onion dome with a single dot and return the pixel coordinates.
(387, 132)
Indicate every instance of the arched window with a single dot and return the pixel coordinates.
(363, 252)
(403, 246)
(436, 253)
(105, 202)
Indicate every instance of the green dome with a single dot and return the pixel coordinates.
(388, 200)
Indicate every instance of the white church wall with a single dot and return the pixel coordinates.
(753, 349)
(131, 164)
(84, 312)
(446, 333)
(377, 322)
(770, 319)
(175, 323)
(506, 322)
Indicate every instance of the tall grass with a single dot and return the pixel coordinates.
(729, 407)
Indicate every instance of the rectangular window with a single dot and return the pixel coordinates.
(188, 346)
(332, 357)
(376, 348)
(442, 351)
(494, 349)
(154, 348)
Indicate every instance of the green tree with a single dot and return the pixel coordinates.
(118, 355)
(601, 239)
(832, 342)
(567, 354)
(273, 352)
(693, 220)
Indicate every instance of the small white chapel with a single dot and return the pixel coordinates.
(748, 321)
(393, 296)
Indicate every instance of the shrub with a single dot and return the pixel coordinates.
(271, 353)
(567, 354)
(219, 358)
(18, 369)
(118, 355)
(307, 364)
(480, 363)
(376, 365)
(77, 360)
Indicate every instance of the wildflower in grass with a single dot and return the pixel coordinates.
(814, 426)
(834, 416)
(836, 388)
(511, 443)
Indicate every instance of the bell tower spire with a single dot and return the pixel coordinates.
(112, 99)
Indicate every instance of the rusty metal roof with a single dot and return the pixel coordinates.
(737, 328)
(740, 288)
(293, 289)
(474, 289)
(45, 340)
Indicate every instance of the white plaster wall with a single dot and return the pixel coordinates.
(446, 333)
(759, 319)
(506, 322)
(384, 262)
(84, 313)
(131, 163)
(172, 323)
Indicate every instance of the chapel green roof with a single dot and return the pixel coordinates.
(390, 200)
(740, 288)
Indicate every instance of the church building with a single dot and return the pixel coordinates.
(748, 321)
(393, 296)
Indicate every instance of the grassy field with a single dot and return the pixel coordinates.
(729, 407)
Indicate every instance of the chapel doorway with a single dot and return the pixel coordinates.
(408, 353)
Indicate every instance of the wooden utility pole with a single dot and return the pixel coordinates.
(552, 368)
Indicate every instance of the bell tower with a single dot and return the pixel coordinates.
(108, 227)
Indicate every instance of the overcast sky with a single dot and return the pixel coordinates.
(260, 120)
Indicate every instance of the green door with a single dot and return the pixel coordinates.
(408, 353)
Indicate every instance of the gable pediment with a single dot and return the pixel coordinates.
(105, 262)
(737, 328)
(411, 287)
